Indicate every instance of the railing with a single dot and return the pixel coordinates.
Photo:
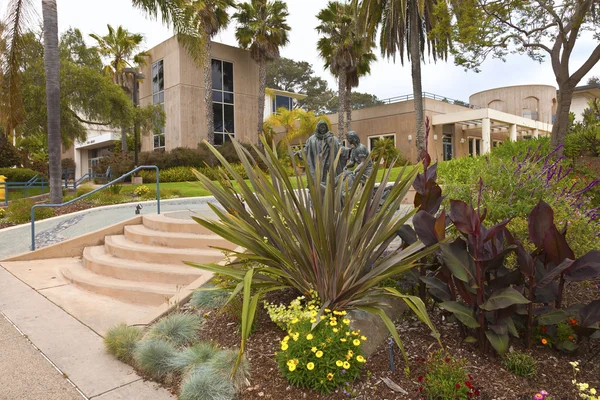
(95, 191)
(35, 182)
(86, 177)
(432, 96)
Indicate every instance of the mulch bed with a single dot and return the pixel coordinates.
(554, 372)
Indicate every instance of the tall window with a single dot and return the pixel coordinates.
(282, 101)
(222, 96)
(474, 146)
(447, 144)
(158, 98)
(373, 139)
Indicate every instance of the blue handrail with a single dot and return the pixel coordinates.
(94, 191)
(35, 182)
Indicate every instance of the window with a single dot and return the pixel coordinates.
(373, 139)
(282, 101)
(474, 146)
(496, 143)
(222, 95)
(158, 98)
(447, 144)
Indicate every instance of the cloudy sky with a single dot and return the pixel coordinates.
(386, 80)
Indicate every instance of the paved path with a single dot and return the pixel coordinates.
(16, 240)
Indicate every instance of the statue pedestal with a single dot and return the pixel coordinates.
(137, 180)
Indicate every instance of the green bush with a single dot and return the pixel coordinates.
(120, 163)
(155, 357)
(67, 163)
(2, 213)
(206, 384)
(209, 297)
(224, 361)
(179, 329)
(323, 358)
(141, 190)
(18, 174)
(19, 211)
(121, 341)
(282, 315)
(115, 188)
(85, 188)
(9, 157)
(446, 378)
(520, 364)
(194, 356)
(521, 147)
(185, 174)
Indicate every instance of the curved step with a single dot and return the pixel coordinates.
(144, 235)
(160, 222)
(120, 247)
(96, 260)
(153, 294)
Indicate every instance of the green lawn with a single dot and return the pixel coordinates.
(194, 189)
(14, 194)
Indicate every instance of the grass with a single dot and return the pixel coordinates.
(121, 341)
(206, 384)
(178, 329)
(154, 357)
(223, 363)
(209, 297)
(520, 364)
(15, 194)
(194, 356)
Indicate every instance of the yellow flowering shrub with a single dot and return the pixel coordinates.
(298, 309)
(141, 190)
(585, 390)
(323, 358)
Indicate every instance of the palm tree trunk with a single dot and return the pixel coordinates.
(341, 103)
(208, 112)
(262, 86)
(123, 138)
(52, 68)
(415, 60)
(348, 107)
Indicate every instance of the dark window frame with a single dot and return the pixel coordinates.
(158, 98)
(223, 101)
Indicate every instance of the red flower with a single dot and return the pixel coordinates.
(458, 385)
(573, 322)
(544, 329)
(421, 389)
(420, 378)
(477, 392)
(468, 384)
(447, 360)
(470, 377)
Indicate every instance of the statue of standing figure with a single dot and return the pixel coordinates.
(318, 149)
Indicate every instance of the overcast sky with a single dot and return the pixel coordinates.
(386, 80)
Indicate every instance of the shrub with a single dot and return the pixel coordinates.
(205, 384)
(179, 329)
(18, 174)
(282, 315)
(385, 149)
(115, 188)
(323, 358)
(121, 341)
(209, 297)
(9, 157)
(520, 364)
(141, 190)
(155, 357)
(446, 378)
(223, 364)
(19, 211)
(85, 188)
(2, 213)
(191, 357)
(120, 162)
(67, 163)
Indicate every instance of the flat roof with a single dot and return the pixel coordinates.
(472, 119)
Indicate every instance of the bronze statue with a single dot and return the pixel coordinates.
(359, 154)
(322, 147)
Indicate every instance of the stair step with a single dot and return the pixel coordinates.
(144, 235)
(153, 294)
(160, 222)
(96, 260)
(120, 247)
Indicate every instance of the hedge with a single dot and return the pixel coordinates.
(18, 174)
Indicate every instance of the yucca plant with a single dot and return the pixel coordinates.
(298, 234)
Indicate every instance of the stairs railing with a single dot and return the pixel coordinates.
(95, 191)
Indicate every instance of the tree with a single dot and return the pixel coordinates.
(409, 26)
(358, 100)
(262, 29)
(593, 80)
(122, 48)
(537, 28)
(296, 123)
(8, 154)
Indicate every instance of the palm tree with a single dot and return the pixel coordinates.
(262, 28)
(346, 52)
(122, 47)
(407, 25)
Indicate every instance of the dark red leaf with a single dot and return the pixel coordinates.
(585, 267)
(440, 226)
(462, 216)
(590, 314)
(556, 246)
(524, 260)
(540, 220)
(554, 273)
(424, 224)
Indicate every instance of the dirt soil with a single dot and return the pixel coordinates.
(554, 372)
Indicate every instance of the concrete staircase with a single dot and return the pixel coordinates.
(145, 265)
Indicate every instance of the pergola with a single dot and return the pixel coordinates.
(489, 120)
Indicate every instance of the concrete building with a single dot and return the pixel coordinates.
(581, 96)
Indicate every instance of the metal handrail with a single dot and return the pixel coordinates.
(95, 191)
(428, 95)
(35, 182)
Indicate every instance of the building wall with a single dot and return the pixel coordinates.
(517, 99)
(578, 104)
(184, 94)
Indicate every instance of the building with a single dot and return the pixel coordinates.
(581, 96)
(275, 99)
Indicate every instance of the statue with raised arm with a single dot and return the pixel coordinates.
(322, 147)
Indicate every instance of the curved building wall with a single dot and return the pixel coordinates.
(537, 102)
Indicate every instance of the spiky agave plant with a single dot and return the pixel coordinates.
(297, 233)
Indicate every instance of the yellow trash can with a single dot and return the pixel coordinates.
(2, 188)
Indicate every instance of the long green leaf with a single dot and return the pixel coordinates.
(462, 312)
(390, 325)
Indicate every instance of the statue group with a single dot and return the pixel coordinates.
(322, 148)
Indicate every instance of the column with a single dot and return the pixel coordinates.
(485, 135)
(536, 133)
(513, 133)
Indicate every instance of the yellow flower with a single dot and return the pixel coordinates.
(309, 336)
(295, 336)
(311, 307)
(294, 321)
(337, 313)
(346, 365)
(363, 338)
(355, 333)
(284, 346)
(347, 333)
(342, 340)
(285, 339)
(356, 342)
(360, 359)
(344, 313)
(333, 323)
(313, 313)
(292, 367)
(346, 321)
(350, 353)
(313, 349)
(319, 354)
(313, 320)
(322, 317)
(339, 363)
(310, 366)
(329, 376)
(592, 391)
(335, 330)
(327, 310)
